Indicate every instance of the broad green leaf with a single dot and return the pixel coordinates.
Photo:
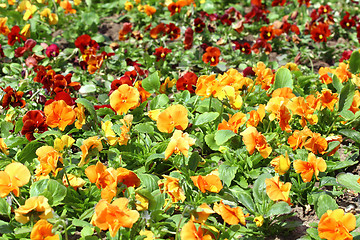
(354, 62)
(5, 227)
(87, 89)
(336, 83)
(16, 68)
(278, 209)
(151, 83)
(227, 173)
(210, 141)
(324, 203)
(347, 114)
(47, 133)
(332, 146)
(144, 128)
(259, 189)
(349, 181)
(27, 154)
(206, 118)
(159, 101)
(194, 161)
(5, 127)
(244, 198)
(346, 96)
(80, 223)
(222, 136)
(313, 232)
(149, 181)
(4, 207)
(54, 191)
(354, 135)
(283, 78)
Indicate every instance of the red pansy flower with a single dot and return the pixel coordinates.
(174, 7)
(320, 32)
(52, 50)
(12, 98)
(28, 46)
(84, 42)
(188, 39)
(172, 31)
(187, 82)
(199, 25)
(211, 55)
(34, 122)
(347, 22)
(15, 36)
(161, 53)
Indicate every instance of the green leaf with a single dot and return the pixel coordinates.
(5, 227)
(159, 101)
(222, 136)
(54, 191)
(144, 128)
(354, 62)
(210, 141)
(80, 223)
(332, 146)
(313, 232)
(244, 198)
(27, 154)
(349, 181)
(47, 133)
(347, 114)
(90, 108)
(324, 203)
(149, 181)
(206, 118)
(5, 127)
(259, 189)
(151, 83)
(87, 89)
(4, 207)
(16, 68)
(283, 78)
(346, 96)
(194, 161)
(354, 135)
(227, 173)
(278, 209)
(336, 83)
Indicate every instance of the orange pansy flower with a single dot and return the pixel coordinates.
(255, 140)
(342, 72)
(230, 215)
(171, 186)
(149, 10)
(298, 138)
(59, 114)
(4, 30)
(80, 116)
(356, 102)
(210, 182)
(234, 122)
(15, 175)
(42, 230)
(307, 169)
(66, 5)
(335, 224)
(113, 216)
(91, 143)
(124, 98)
(281, 164)
(324, 75)
(305, 109)
(175, 116)
(277, 190)
(201, 214)
(328, 99)
(285, 92)
(49, 160)
(277, 107)
(125, 129)
(316, 144)
(74, 181)
(256, 116)
(35, 207)
(211, 55)
(206, 85)
(189, 232)
(264, 76)
(179, 142)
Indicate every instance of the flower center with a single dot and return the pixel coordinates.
(123, 101)
(176, 9)
(321, 36)
(325, 10)
(347, 24)
(269, 34)
(162, 55)
(212, 59)
(243, 49)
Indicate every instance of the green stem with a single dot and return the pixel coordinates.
(13, 198)
(210, 100)
(178, 227)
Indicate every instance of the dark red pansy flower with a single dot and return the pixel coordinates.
(248, 71)
(172, 31)
(199, 25)
(345, 55)
(347, 22)
(126, 28)
(62, 95)
(278, 3)
(115, 84)
(324, 9)
(12, 98)
(34, 122)
(84, 42)
(243, 47)
(188, 39)
(204, 46)
(187, 82)
(261, 43)
(130, 62)
(2, 55)
(174, 7)
(28, 46)
(227, 19)
(211, 55)
(161, 53)
(15, 36)
(256, 14)
(52, 50)
(157, 31)
(267, 33)
(320, 32)
(306, 2)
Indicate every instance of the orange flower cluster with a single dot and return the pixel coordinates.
(50, 161)
(341, 72)
(277, 106)
(210, 182)
(175, 116)
(328, 99)
(113, 216)
(189, 232)
(335, 224)
(59, 114)
(304, 108)
(277, 190)
(312, 167)
(42, 230)
(264, 76)
(233, 123)
(255, 140)
(109, 179)
(179, 142)
(231, 216)
(172, 187)
(124, 98)
(35, 208)
(15, 175)
(308, 139)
